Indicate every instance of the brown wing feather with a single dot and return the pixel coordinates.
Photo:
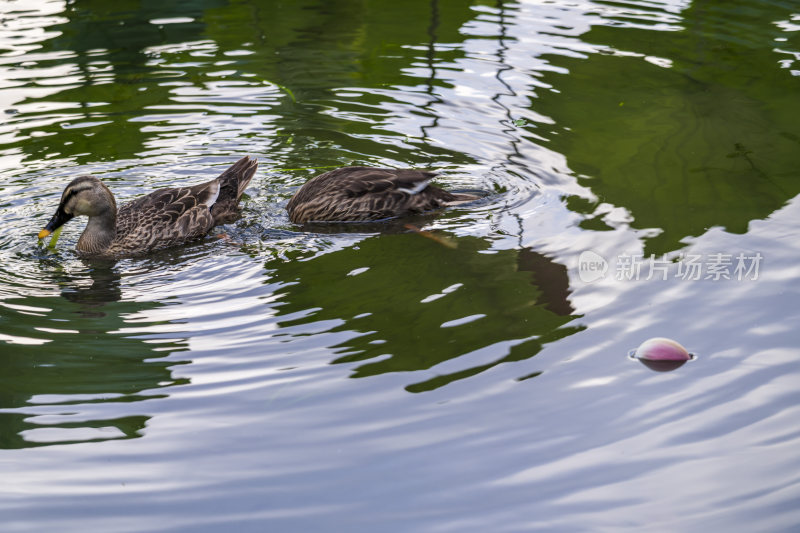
(364, 193)
(357, 181)
(165, 217)
(171, 216)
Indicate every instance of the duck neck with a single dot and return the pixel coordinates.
(99, 232)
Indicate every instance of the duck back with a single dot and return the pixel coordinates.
(367, 193)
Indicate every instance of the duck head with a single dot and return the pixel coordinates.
(85, 195)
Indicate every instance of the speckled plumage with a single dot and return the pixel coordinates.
(161, 219)
(365, 193)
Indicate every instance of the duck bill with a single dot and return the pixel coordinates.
(56, 222)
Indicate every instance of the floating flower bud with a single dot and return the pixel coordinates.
(662, 349)
(661, 354)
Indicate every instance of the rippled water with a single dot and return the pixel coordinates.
(368, 377)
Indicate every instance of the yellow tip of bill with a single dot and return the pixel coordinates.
(54, 235)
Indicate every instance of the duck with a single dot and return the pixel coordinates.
(161, 219)
(357, 194)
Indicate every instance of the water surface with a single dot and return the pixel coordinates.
(364, 377)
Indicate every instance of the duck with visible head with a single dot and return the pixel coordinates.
(353, 194)
(161, 219)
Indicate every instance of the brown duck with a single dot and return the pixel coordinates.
(163, 218)
(365, 193)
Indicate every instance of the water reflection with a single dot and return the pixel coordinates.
(66, 376)
(410, 304)
(692, 145)
(93, 298)
(93, 45)
(702, 138)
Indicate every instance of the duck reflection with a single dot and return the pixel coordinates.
(93, 297)
(65, 362)
(409, 304)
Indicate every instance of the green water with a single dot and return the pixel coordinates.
(473, 376)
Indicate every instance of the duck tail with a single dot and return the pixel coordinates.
(449, 198)
(232, 184)
(238, 176)
(461, 198)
